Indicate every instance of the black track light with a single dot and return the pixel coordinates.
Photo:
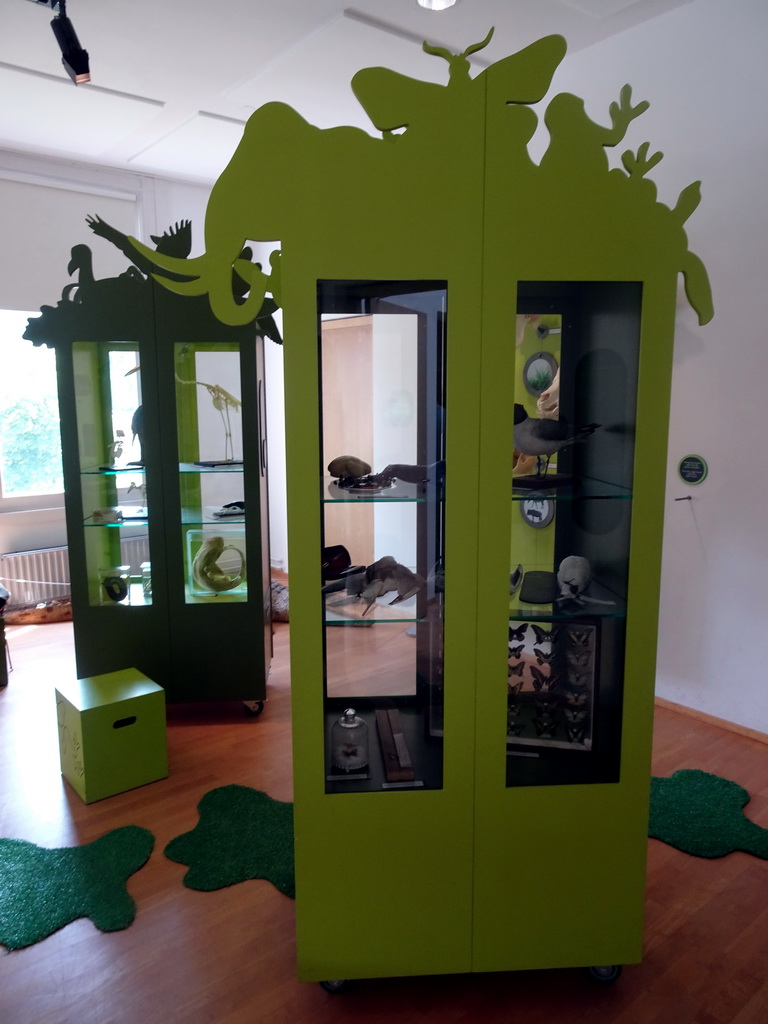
(73, 56)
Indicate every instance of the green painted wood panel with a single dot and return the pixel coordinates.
(481, 874)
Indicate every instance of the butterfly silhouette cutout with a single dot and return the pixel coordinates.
(539, 678)
(517, 633)
(542, 681)
(515, 652)
(544, 657)
(516, 670)
(543, 636)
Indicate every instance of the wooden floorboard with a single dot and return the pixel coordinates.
(227, 957)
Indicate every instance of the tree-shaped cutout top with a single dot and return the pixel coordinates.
(414, 164)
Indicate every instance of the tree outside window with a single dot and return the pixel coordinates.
(30, 443)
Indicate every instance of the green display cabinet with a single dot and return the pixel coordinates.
(163, 427)
(501, 820)
(472, 645)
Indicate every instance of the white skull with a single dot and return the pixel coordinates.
(573, 578)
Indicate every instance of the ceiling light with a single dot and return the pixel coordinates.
(436, 5)
(73, 56)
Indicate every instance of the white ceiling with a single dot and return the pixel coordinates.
(173, 81)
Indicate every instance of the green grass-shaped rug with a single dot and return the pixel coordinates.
(43, 890)
(242, 834)
(703, 815)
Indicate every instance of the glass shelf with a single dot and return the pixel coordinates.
(585, 488)
(222, 467)
(616, 608)
(346, 609)
(205, 515)
(184, 467)
(399, 491)
(112, 470)
(134, 521)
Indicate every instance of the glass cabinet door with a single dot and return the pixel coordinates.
(210, 456)
(576, 363)
(382, 373)
(115, 503)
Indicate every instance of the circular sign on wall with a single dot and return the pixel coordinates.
(538, 511)
(692, 469)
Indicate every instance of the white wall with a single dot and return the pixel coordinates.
(703, 69)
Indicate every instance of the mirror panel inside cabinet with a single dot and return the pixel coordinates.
(108, 409)
(381, 350)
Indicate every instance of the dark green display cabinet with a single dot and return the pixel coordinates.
(478, 361)
(163, 429)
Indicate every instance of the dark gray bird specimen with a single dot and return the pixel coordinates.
(137, 429)
(543, 438)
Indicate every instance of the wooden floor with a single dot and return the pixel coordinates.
(227, 957)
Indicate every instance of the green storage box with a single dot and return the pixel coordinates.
(111, 733)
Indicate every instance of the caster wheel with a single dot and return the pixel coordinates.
(606, 974)
(335, 985)
(253, 707)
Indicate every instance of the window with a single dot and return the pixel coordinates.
(30, 444)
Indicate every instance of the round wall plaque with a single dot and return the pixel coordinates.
(539, 372)
(538, 511)
(692, 469)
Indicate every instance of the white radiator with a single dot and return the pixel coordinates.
(35, 576)
(134, 551)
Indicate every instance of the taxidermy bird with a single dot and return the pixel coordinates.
(386, 575)
(542, 438)
(382, 577)
(137, 429)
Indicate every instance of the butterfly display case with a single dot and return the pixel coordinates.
(569, 547)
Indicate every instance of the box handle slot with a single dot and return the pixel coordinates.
(122, 722)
